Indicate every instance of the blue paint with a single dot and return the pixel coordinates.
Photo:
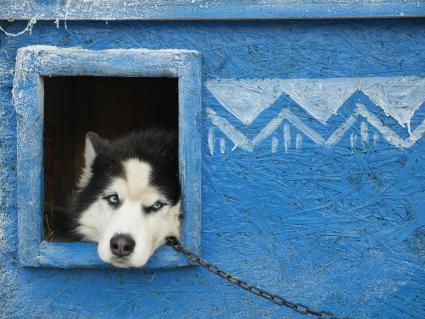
(205, 9)
(34, 62)
(84, 255)
(334, 228)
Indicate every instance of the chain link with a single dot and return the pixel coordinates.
(276, 299)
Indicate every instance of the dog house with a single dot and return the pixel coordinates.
(301, 153)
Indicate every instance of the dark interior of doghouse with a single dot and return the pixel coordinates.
(109, 106)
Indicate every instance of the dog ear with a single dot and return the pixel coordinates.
(94, 144)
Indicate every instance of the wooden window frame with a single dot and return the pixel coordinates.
(35, 62)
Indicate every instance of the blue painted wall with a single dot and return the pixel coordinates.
(206, 9)
(336, 226)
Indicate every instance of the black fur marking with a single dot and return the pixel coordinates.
(157, 147)
(153, 209)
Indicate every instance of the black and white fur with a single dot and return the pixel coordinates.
(129, 196)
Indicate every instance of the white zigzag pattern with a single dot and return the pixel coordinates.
(398, 96)
(240, 140)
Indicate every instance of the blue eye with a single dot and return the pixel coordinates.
(157, 205)
(112, 200)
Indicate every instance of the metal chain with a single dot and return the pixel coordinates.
(276, 299)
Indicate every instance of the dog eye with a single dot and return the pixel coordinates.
(155, 207)
(112, 200)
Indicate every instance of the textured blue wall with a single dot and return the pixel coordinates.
(206, 9)
(334, 225)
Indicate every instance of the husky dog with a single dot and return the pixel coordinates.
(128, 198)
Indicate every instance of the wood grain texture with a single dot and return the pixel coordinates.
(207, 9)
(330, 227)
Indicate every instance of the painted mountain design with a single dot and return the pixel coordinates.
(322, 110)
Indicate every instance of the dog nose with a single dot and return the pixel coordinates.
(122, 245)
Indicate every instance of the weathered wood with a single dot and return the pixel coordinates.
(333, 221)
(206, 9)
(35, 62)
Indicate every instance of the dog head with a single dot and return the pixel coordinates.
(129, 196)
